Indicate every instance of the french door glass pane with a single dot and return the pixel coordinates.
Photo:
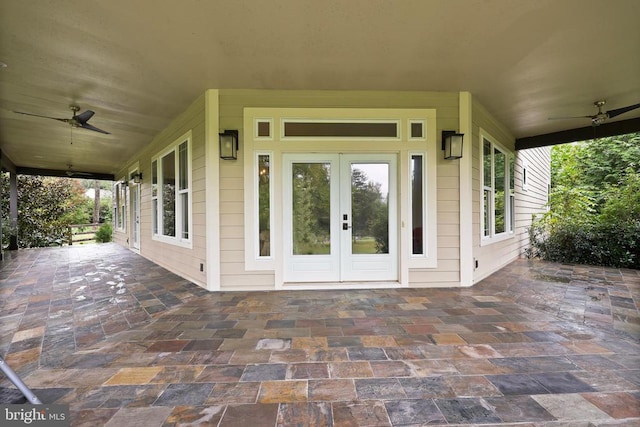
(370, 208)
(311, 208)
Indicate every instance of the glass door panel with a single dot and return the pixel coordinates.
(311, 208)
(370, 208)
(339, 217)
(368, 201)
(309, 216)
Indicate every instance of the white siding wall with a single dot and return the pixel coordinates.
(182, 261)
(233, 274)
(533, 200)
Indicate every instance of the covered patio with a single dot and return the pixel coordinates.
(125, 342)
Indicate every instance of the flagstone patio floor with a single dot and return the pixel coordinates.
(124, 342)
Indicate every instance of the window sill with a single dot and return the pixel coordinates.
(188, 244)
(485, 241)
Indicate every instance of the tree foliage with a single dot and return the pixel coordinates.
(46, 208)
(594, 215)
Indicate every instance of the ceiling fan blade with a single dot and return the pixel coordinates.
(87, 126)
(84, 117)
(44, 117)
(618, 111)
(570, 117)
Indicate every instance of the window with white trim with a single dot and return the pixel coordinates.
(171, 193)
(417, 204)
(498, 201)
(120, 206)
(265, 188)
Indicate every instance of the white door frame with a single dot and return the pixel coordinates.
(340, 265)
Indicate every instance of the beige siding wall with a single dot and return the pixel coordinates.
(233, 274)
(183, 261)
(492, 256)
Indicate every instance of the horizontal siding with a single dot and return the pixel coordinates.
(493, 256)
(534, 200)
(232, 103)
(183, 261)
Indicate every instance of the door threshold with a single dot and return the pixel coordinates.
(341, 285)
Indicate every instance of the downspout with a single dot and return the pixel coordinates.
(466, 191)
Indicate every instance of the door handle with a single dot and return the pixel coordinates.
(345, 226)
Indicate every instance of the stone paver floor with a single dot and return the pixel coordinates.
(123, 342)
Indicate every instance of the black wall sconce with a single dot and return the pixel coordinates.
(136, 177)
(229, 145)
(452, 144)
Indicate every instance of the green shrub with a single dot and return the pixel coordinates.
(103, 235)
(606, 244)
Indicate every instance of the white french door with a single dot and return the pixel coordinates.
(340, 217)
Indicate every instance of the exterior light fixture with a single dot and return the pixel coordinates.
(229, 145)
(136, 177)
(452, 144)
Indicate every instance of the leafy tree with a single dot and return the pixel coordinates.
(594, 215)
(46, 207)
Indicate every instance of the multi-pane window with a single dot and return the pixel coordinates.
(498, 190)
(171, 192)
(120, 209)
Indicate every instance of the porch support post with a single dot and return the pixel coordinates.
(13, 211)
(466, 193)
(212, 183)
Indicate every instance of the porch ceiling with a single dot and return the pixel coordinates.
(138, 64)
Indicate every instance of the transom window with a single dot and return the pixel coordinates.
(171, 193)
(498, 201)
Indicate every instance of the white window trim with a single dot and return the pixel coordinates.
(253, 259)
(509, 232)
(278, 146)
(429, 258)
(120, 206)
(257, 122)
(176, 240)
(424, 130)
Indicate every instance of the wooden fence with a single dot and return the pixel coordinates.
(83, 233)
